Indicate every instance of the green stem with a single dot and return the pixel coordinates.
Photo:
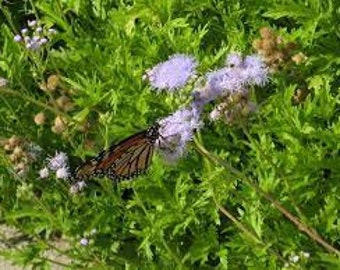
(25, 97)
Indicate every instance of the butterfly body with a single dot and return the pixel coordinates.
(127, 159)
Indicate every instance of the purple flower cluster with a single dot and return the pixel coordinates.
(235, 78)
(35, 35)
(173, 73)
(58, 164)
(175, 131)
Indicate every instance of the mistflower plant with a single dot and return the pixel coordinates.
(232, 80)
(35, 36)
(173, 73)
(58, 164)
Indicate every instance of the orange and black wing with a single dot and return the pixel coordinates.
(129, 158)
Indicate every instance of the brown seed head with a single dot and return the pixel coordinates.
(59, 125)
(52, 82)
(39, 119)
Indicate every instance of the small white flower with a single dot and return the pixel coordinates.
(62, 173)
(77, 187)
(29, 46)
(52, 31)
(17, 38)
(294, 258)
(31, 23)
(3, 82)
(44, 173)
(305, 254)
(215, 114)
(286, 265)
(42, 41)
(24, 31)
(36, 38)
(84, 242)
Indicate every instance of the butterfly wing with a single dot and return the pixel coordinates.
(127, 159)
(135, 161)
(124, 160)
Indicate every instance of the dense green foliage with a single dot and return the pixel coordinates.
(251, 195)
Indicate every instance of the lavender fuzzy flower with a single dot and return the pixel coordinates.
(255, 70)
(175, 131)
(227, 80)
(235, 78)
(60, 160)
(173, 73)
(234, 60)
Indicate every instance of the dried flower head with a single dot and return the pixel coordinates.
(14, 141)
(39, 119)
(231, 112)
(21, 168)
(18, 151)
(64, 103)
(173, 73)
(52, 82)
(59, 125)
(275, 52)
(299, 58)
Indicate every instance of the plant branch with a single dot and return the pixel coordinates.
(302, 227)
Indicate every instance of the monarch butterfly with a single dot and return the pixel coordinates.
(129, 158)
